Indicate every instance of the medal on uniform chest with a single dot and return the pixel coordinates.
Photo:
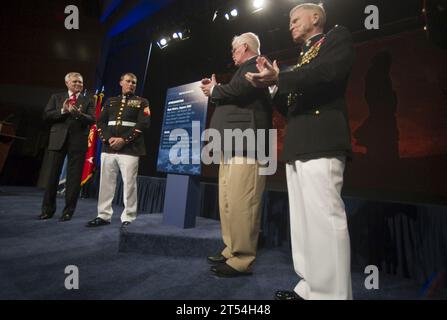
(310, 54)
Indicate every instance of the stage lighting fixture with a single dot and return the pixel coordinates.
(226, 13)
(181, 35)
(176, 36)
(215, 15)
(163, 42)
(258, 5)
(231, 15)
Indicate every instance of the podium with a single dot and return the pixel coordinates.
(182, 201)
(7, 136)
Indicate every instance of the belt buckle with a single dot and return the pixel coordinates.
(118, 122)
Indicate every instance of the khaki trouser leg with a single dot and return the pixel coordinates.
(242, 196)
(224, 169)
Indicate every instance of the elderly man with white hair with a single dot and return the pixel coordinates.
(316, 146)
(239, 106)
(70, 115)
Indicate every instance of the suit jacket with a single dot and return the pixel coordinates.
(317, 120)
(241, 106)
(115, 116)
(66, 126)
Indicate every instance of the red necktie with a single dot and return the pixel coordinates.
(73, 99)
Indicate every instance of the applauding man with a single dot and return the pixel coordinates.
(316, 146)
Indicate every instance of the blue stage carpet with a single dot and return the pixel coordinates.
(35, 253)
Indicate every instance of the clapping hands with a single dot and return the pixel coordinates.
(267, 75)
(207, 84)
(69, 106)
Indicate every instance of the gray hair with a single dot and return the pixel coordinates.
(318, 8)
(251, 39)
(72, 74)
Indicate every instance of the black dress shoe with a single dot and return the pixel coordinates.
(287, 295)
(66, 216)
(217, 259)
(45, 216)
(125, 223)
(225, 271)
(97, 222)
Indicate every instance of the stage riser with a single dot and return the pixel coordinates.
(168, 245)
(148, 235)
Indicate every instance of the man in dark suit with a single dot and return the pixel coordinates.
(70, 115)
(316, 146)
(239, 106)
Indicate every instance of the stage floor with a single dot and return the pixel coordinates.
(34, 255)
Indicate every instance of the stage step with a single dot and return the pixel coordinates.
(147, 235)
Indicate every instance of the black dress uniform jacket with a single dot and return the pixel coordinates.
(63, 126)
(240, 105)
(317, 120)
(116, 115)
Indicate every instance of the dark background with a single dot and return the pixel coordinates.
(399, 152)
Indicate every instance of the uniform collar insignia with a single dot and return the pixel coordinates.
(128, 95)
(310, 42)
(309, 53)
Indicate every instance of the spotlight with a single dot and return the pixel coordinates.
(163, 42)
(181, 35)
(215, 15)
(225, 14)
(176, 36)
(258, 5)
(231, 15)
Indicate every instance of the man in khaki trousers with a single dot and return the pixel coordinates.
(240, 109)
(240, 195)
